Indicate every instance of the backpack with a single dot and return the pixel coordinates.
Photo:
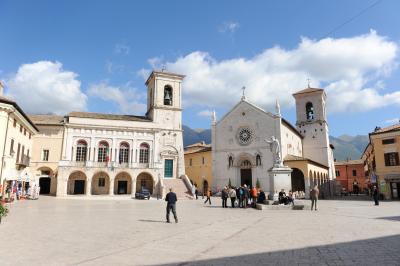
(241, 192)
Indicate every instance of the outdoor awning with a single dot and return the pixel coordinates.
(392, 177)
(11, 174)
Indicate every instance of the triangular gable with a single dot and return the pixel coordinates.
(249, 104)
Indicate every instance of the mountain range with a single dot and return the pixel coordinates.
(346, 147)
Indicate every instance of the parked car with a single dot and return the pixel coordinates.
(144, 193)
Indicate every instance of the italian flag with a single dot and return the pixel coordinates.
(107, 154)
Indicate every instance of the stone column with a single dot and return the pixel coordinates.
(88, 187)
(111, 192)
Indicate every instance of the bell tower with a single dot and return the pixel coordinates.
(312, 125)
(164, 98)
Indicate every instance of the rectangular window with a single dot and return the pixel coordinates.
(203, 160)
(391, 159)
(18, 150)
(15, 123)
(22, 153)
(337, 173)
(27, 153)
(169, 168)
(12, 147)
(388, 141)
(24, 131)
(20, 128)
(102, 182)
(81, 153)
(30, 135)
(354, 172)
(190, 162)
(45, 155)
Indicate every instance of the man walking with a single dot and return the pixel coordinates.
(314, 197)
(171, 200)
(375, 194)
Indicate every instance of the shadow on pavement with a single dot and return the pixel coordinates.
(391, 218)
(374, 251)
(152, 221)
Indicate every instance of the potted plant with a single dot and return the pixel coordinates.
(3, 211)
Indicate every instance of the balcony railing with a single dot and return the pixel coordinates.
(111, 165)
(23, 162)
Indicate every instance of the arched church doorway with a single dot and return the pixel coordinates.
(245, 173)
(297, 180)
(205, 186)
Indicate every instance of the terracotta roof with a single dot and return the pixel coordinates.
(308, 90)
(109, 116)
(16, 106)
(290, 157)
(47, 119)
(349, 162)
(197, 147)
(387, 129)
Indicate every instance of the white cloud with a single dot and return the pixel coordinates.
(393, 121)
(344, 66)
(121, 48)
(205, 113)
(228, 26)
(127, 98)
(143, 73)
(44, 87)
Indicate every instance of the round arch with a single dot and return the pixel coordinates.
(47, 180)
(297, 178)
(145, 180)
(100, 183)
(122, 184)
(76, 183)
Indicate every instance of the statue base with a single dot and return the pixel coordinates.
(280, 178)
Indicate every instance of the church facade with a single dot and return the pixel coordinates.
(107, 154)
(241, 145)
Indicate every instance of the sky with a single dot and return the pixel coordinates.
(62, 56)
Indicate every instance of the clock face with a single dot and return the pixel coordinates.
(245, 136)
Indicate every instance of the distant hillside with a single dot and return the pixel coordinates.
(348, 146)
(345, 146)
(191, 136)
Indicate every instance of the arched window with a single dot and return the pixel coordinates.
(310, 111)
(103, 152)
(230, 161)
(124, 152)
(167, 95)
(144, 153)
(258, 160)
(81, 151)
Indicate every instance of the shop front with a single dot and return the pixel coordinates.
(393, 184)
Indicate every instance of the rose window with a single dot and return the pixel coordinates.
(245, 136)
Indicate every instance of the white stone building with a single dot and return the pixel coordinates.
(16, 132)
(241, 154)
(118, 154)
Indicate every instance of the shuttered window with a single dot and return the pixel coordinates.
(391, 159)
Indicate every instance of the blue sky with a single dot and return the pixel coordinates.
(58, 56)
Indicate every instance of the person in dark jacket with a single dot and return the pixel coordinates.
(375, 194)
(171, 200)
(239, 195)
(261, 198)
(224, 196)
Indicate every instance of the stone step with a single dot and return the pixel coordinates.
(179, 187)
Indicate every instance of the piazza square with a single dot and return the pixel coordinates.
(121, 231)
(199, 133)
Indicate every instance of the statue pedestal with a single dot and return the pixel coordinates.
(280, 178)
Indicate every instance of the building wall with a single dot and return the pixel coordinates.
(197, 171)
(383, 172)
(50, 137)
(9, 132)
(292, 143)
(346, 177)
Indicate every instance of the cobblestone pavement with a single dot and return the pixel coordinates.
(120, 231)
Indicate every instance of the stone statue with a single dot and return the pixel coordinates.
(276, 151)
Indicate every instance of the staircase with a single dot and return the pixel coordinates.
(179, 187)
